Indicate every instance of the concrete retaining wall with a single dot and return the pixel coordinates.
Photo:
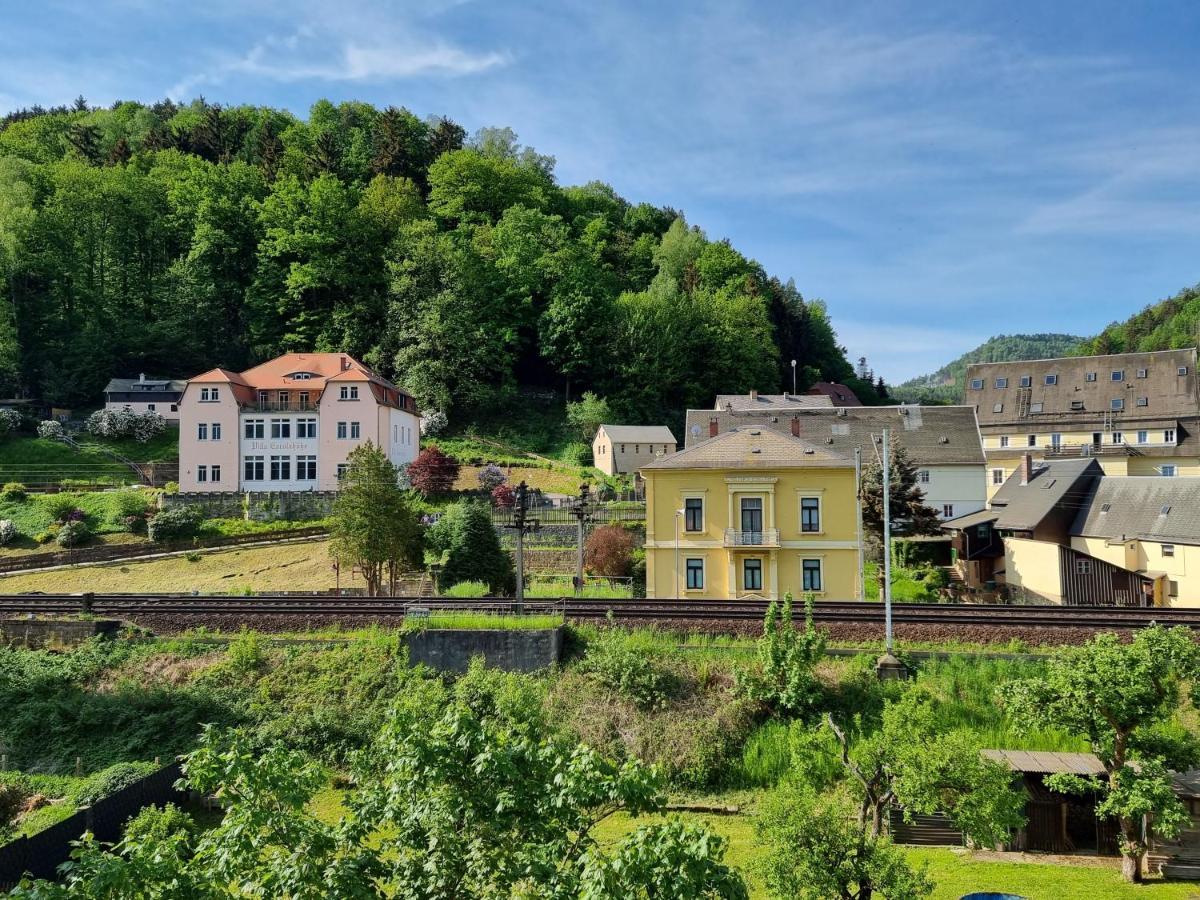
(34, 634)
(451, 650)
(263, 506)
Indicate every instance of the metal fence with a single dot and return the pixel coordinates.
(41, 854)
(631, 511)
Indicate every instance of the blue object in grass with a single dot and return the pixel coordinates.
(985, 895)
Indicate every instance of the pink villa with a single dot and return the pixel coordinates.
(289, 424)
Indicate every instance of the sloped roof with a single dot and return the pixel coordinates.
(838, 393)
(1041, 762)
(745, 402)
(219, 376)
(932, 435)
(1123, 508)
(751, 448)
(128, 385)
(971, 519)
(1055, 483)
(646, 434)
(1168, 394)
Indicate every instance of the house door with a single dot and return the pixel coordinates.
(752, 520)
(1096, 436)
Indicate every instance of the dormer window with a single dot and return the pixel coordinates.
(1090, 376)
(1051, 380)
(1118, 375)
(1026, 381)
(1001, 383)
(977, 384)
(300, 376)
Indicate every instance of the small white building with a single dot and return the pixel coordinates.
(622, 449)
(146, 395)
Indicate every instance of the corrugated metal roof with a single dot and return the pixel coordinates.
(1042, 762)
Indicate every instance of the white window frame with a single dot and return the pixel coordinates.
(281, 429)
(254, 429)
(947, 510)
(923, 476)
(1116, 375)
(1056, 440)
(820, 589)
(1168, 550)
(1026, 381)
(303, 462)
(1168, 470)
(256, 465)
(202, 431)
(1051, 380)
(1143, 437)
(306, 428)
(348, 392)
(1118, 437)
(280, 468)
(1003, 440)
(1001, 383)
(342, 469)
(1089, 376)
(215, 472)
(1116, 404)
(202, 474)
(687, 573)
(977, 384)
(343, 430)
(997, 476)
(216, 431)
(1169, 436)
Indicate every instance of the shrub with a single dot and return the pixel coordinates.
(8, 531)
(784, 680)
(433, 421)
(51, 430)
(60, 506)
(171, 487)
(433, 472)
(491, 477)
(72, 533)
(586, 415)
(111, 780)
(45, 537)
(130, 503)
(174, 523)
(13, 492)
(576, 454)
(245, 654)
(503, 497)
(613, 662)
(609, 551)
(10, 421)
(154, 824)
(134, 524)
(470, 549)
(124, 423)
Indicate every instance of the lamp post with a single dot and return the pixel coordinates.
(678, 517)
(888, 665)
(793, 378)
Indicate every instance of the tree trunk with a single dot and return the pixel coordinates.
(1131, 866)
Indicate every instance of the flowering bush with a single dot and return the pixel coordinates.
(433, 421)
(10, 421)
(8, 531)
(490, 477)
(73, 533)
(51, 430)
(125, 423)
(503, 496)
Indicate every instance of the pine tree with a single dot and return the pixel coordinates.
(909, 514)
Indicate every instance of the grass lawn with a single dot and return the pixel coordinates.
(553, 481)
(34, 460)
(32, 514)
(288, 567)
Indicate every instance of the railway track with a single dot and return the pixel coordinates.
(828, 611)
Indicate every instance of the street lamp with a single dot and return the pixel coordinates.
(678, 518)
(793, 378)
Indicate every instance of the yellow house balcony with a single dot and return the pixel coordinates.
(768, 537)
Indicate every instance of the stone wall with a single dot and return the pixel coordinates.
(451, 650)
(261, 506)
(35, 634)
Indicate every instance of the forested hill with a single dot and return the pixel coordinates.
(1166, 325)
(169, 239)
(946, 384)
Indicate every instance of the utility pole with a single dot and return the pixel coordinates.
(793, 378)
(889, 665)
(521, 525)
(581, 517)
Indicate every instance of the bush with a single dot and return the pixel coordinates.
(503, 497)
(154, 824)
(13, 492)
(613, 662)
(470, 549)
(72, 533)
(124, 423)
(609, 551)
(576, 454)
(171, 487)
(10, 422)
(111, 780)
(586, 415)
(46, 536)
(60, 506)
(8, 531)
(785, 681)
(433, 421)
(51, 430)
(245, 654)
(433, 472)
(174, 523)
(491, 477)
(129, 510)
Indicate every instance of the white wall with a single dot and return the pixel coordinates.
(161, 407)
(963, 487)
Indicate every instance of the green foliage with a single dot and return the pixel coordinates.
(784, 681)
(59, 506)
(469, 548)
(1167, 325)
(13, 492)
(618, 665)
(72, 534)
(586, 415)
(129, 503)
(175, 523)
(111, 780)
(576, 454)
(815, 851)
(947, 383)
(464, 589)
(1119, 696)
(909, 514)
(245, 654)
(374, 524)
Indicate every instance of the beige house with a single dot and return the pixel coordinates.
(621, 449)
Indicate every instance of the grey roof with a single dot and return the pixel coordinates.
(646, 434)
(932, 435)
(1022, 507)
(1186, 784)
(976, 518)
(751, 448)
(746, 402)
(133, 385)
(1041, 762)
(1123, 508)
(1168, 394)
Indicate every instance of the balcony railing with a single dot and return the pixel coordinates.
(768, 537)
(282, 406)
(1078, 451)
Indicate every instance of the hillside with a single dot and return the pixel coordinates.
(946, 384)
(174, 238)
(1166, 325)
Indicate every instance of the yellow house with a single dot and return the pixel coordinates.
(752, 513)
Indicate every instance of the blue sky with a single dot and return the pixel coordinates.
(938, 172)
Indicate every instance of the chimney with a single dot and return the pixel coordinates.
(795, 426)
(345, 363)
(713, 429)
(142, 377)
(1026, 468)
(754, 395)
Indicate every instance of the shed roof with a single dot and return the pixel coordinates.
(1055, 483)
(747, 402)
(932, 435)
(1041, 762)
(1146, 507)
(646, 434)
(751, 448)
